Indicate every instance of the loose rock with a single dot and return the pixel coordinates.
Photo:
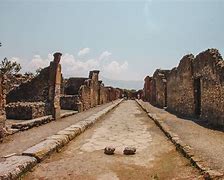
(129, 151)
(109, 150)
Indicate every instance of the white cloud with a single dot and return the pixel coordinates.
(105, 55)
(75, 67)
(38, 62)
(115, 70)
(72, 67)
(83, 51)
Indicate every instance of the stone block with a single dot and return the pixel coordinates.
(62, 139)
(70, 133)
(43, 149)
(25, 110)
(14, 166)
(69, 102)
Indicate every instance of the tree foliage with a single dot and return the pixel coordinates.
(9, 67)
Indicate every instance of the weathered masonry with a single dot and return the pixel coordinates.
(155, 88)
(70, 97)
(180, 88)
(194, 88)
(81, 94)
(2, 106)
(38, 97)
(147, 88)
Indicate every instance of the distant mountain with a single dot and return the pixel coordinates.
(123, 84)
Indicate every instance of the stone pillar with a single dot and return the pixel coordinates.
(94, 87)
(55, 86)
(2, 106)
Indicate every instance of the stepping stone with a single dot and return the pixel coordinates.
(129, 151)
(109, 150)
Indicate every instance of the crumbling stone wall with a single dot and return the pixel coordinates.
(70, 102)
(180, 90)
(43, 88)
(104, 92)
(147, 88)
(14, 80)
(209, 72)
(2, 105)
(90, 91)
(72, 85)
(85, 95)
(159, 88)
(113, 93)
(25, 111)
(195, 88)
(94, 88)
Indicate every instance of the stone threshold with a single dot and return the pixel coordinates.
(183, 148)
(16, 165)
(28, 124)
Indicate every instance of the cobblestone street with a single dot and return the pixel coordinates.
(127, 125)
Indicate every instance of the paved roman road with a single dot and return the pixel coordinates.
(127, 125)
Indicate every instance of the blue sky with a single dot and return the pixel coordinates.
(124, 39)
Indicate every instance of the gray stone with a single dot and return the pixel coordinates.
(109, 150)
(129, 151)
(42, 150)
(14, 166)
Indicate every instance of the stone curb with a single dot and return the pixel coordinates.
(15, 166)
(183, 148)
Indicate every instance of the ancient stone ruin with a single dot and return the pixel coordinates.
(81, 94)
(38, 97)
(2, 106)
(195, 88)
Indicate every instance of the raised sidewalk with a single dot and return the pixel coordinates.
(203, 146)
(33, 150)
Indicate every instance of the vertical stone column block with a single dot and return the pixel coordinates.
(55, 85)
(2, 105)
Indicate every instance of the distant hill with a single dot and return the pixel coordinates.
(123, 84)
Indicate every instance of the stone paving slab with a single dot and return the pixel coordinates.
(186, 149)
(14, 166)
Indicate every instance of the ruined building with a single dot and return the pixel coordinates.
(2, 106)
(38, 97)
(155, 88)
(89, 91)
(194, 88)
(180, 88)
(146, 89)
(70, 99)
(81, 94)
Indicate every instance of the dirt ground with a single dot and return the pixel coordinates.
(127, 125)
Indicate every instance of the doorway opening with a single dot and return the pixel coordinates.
(197, 96)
